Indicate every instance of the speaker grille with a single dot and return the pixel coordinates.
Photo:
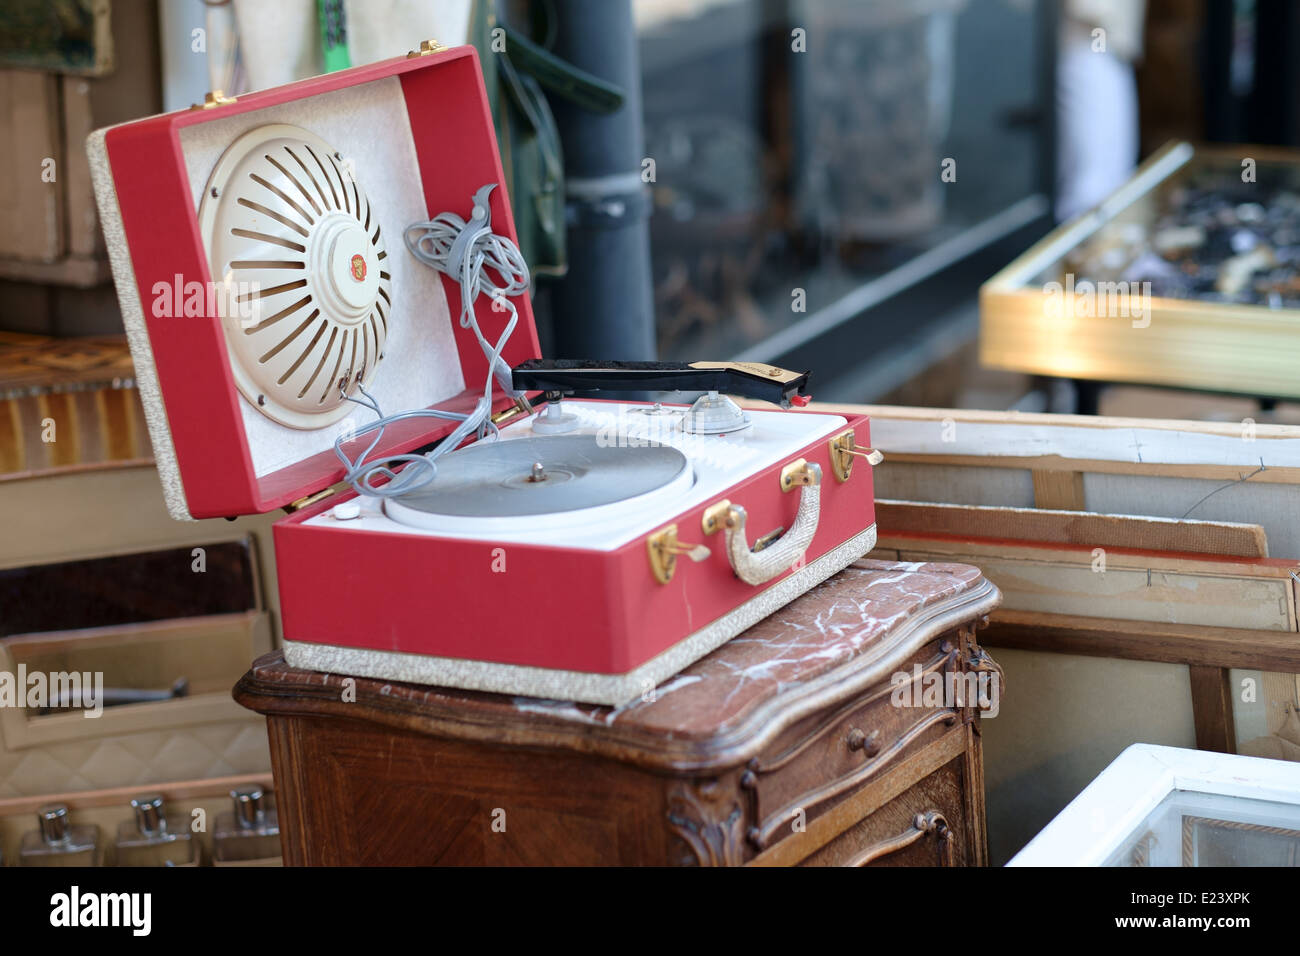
(299, 259)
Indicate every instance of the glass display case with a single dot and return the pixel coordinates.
(1166, 806)
(1187, 276)
(1209, 829)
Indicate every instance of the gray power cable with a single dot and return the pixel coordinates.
(465, 251)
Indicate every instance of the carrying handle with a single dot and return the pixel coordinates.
(759, 567)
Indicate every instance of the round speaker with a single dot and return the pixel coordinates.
(298, 259)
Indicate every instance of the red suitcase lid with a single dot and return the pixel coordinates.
(316, 242)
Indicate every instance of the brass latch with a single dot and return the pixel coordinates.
(214, 99)
(663, 549)
(426, 47)
(767, 540)
(844, 449)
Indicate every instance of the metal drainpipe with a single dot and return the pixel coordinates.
(604, 307)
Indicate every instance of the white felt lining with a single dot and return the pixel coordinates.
(368, 124)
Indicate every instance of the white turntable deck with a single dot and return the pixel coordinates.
(615, 448)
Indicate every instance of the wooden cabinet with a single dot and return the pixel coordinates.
(931, 823)
(787, 745)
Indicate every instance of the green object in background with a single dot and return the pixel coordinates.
(517, 71)
(333, 35)
(560, 77)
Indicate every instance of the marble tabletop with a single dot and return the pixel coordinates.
(850, 618)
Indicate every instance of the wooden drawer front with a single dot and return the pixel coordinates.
(924, 826)
(827, 757)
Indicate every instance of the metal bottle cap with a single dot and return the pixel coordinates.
(248, 805)
(149, 816)
(53, 818)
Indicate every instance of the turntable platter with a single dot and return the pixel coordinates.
(573, 476)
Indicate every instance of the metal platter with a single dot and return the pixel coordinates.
(524, 479)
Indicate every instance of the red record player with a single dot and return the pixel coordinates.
(294, 263)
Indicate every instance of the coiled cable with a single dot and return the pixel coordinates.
(465, 251)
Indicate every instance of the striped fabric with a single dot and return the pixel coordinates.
(67, 403)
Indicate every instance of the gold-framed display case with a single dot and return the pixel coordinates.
(1187, 276)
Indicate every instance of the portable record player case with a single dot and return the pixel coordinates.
(600, 624)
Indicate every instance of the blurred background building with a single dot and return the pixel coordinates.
(820, 184)
(830, 180)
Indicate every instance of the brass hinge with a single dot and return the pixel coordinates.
(426, 47)
(301, 503)
(214, 99)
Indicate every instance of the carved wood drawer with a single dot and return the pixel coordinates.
(925, 825)
(829, 756)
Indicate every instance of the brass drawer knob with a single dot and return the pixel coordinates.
(869, 744)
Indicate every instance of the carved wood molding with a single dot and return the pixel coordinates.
(943, 662)
(978, 661)
(764, 832)
(707, 816)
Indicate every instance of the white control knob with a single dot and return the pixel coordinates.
(346, 511)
